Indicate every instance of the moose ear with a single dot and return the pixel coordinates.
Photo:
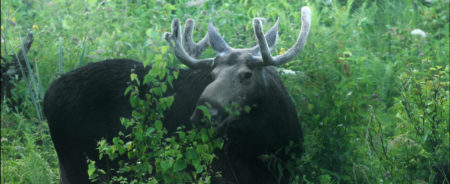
(216, 41)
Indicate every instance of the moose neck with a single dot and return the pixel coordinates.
(272, 115)
(187, 90)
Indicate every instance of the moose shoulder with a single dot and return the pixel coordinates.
(86, 104)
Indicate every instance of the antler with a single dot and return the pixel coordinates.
(192, 48)
(221, 47)
(175, 42)
(266, 58)
(271, 38)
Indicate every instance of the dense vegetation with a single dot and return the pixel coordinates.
(372, 92)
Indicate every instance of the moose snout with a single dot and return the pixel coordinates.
(215, 110)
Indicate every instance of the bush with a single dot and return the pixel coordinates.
(146, 151)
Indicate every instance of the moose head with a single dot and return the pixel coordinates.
(237, 74)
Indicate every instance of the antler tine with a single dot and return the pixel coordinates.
(175, 43)
(262, 42)
(271, 38)
(266, 58)
(217, 42)
(192, 48)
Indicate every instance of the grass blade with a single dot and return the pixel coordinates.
(82, 53)
(27, 82)
(30, 71)
(60, 56)
(41, 90)
(4, 45)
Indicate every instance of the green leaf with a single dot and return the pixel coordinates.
(203, 135)
(179, 165)
(164, 87)
(191, 154)
(247, 109)
(164, 49)
(198, 167)
(91, 169)
(205, 111)
(92, 2)
(158, 125)
(175, 74)
(182, 135)
(166, 164)
(129, 145)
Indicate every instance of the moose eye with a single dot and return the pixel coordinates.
(245, 76)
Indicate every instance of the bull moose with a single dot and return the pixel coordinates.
(86, 104)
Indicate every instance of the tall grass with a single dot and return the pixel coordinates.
(27, 152)
(60, 57)
(32, 85)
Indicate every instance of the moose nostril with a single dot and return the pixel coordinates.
(246, 75)
(213, 112)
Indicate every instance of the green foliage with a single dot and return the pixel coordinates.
(27, 151)
(356, 91)
(373, 99)
(146, 152)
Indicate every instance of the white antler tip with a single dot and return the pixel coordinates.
(306, 12)
(257, 22)
(190, 21)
